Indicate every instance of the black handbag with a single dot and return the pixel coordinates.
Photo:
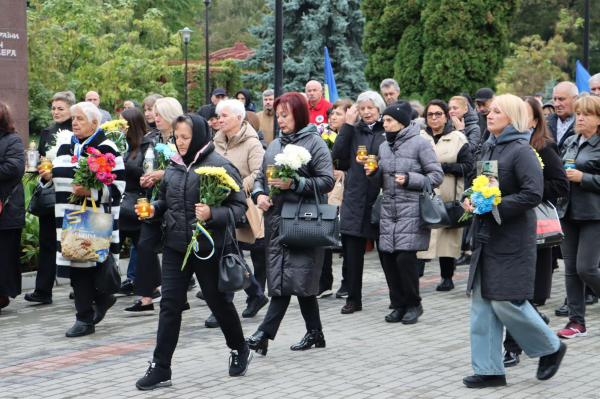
(42, 202)
(455, 209)
(128, 203)
(376, 212)
(432, 212)
(234, 273)
(107, 278)
(309, 225)
(4, 202)
(549, 230)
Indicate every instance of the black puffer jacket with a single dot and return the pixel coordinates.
(179, 194)
(359, 193)
(472, 129)
(12, 168)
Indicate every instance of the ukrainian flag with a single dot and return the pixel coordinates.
(330, 90)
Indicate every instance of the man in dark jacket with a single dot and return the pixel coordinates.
(217, 95)
(483, 99)
(246, 98)
(562, 123)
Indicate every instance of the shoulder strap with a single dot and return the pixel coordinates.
(12, 192)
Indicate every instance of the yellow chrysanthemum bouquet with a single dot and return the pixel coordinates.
(483, 197)
(215, 187)
(115, 132)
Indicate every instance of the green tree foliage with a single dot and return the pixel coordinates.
(535, 61)
(309, 26)
(77, 45)
(436, 48)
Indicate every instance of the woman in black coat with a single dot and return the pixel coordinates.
(292, 270)
(12, 218)
(46, 273)
(359, 193)
(556, 185)
(502, 274)
(178, 204)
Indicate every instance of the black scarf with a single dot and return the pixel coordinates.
(200, 137)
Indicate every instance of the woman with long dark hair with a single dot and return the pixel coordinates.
(292, 270)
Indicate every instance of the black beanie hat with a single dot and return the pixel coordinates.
(400, 111)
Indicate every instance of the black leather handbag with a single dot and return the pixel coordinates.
(107, 278)
(432, 212)
(455, 210)
(234, 273)
(42, 202)
(309, 225)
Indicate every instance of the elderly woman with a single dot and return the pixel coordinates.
(91, 304)
(406, 159)
(456, 157)
(580, 213)
(464, 118)
(359, 193)
(238, 142)
(292, 270)
(502, 273)
(46, 273)
(178, 204)
(12, 168)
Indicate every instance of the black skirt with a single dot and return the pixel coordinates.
(10, 264)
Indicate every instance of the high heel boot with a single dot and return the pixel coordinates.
(259, 342)
(314, 337)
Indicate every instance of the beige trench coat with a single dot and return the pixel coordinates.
(444, 242)
(246, 153)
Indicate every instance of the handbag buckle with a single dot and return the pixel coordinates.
(308, 215)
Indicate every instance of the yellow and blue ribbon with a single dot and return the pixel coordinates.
(195, 246)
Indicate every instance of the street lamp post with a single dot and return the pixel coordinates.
(207, 78)
(186, 33)
(278, 54)
(586, 37)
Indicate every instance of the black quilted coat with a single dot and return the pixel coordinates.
(295, 271)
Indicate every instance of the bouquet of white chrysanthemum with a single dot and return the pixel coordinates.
(289, 161)
(61, 137)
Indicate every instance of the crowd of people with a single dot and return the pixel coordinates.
(543, 152)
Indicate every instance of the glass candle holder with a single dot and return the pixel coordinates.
(570, 164)
(143, 207)
(270, 170)
(362, 152)
(46, 165)
(372, 162)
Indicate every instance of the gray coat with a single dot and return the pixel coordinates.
(295, 271)
(414, 156)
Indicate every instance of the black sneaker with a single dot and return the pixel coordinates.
(192, 284)
(37, 297)
(140, 310)
(549, 364)
(156, 377)
(511, 359)
(412, 314)
(211, 322)
(341, 293)
(239, 362)
(324, 293)
(126, 288)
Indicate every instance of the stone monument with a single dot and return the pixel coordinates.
(14, 90)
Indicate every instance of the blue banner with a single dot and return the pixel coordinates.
(330, 90)
(582, 78)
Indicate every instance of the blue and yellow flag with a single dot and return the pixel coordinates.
(330, 90)
(582, 78)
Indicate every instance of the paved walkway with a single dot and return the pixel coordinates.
(365, 356)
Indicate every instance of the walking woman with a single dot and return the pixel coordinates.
(502, 275)
(359, 193)
(46, 273)
(292, 270)
(91, 305)
(12, 215)
(405, 160)
(178, 204)
(456, 157)
(580, 213)
(556, 185)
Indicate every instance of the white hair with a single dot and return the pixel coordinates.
(236, 107)
(91, 112)
(388, 83)
(168, 108)
(572, 89)
(375, 98)
(594, 80)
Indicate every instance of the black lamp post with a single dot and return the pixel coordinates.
(186, 33)
(586, 36)
(207, 78)
(278, 54)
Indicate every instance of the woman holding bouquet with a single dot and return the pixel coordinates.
(178, 205)
(502, 274)
(91, 305)
(292, 270)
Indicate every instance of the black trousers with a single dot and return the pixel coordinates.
(543, 275)
(174, 296)
(46, 273)
(86, 295)
(354, 248)
(309, 306)
(447, 266)
(326, 279)
(259, 261)
(10, 262)
(402, 271)
(148, 273)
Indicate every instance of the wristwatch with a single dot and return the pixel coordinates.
(293, 184)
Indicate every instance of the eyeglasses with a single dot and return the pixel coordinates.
(432, 115)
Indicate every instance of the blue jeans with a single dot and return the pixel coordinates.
(488, 319)
(132, 267)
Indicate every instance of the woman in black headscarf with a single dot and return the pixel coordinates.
(179, 207)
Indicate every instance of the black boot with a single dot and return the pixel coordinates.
(314, 337)
(156, 377)
(100, 310)
(485, 381)
(259, 342)
(80, 329)
(239, 361)
(549, 364)
(445, 285)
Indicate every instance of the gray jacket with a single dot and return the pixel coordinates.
(295, 271)
(414, 156)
